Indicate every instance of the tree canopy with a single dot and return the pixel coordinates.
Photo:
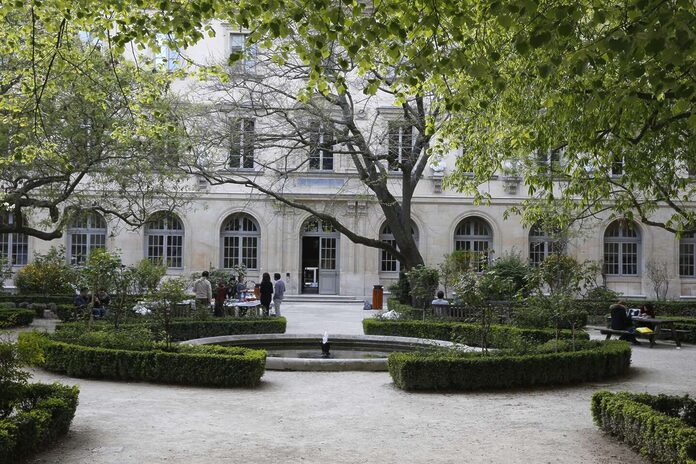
(593, 97)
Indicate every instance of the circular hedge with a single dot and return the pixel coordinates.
(187, 365)
(594, 360)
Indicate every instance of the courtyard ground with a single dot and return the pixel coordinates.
(360, 417)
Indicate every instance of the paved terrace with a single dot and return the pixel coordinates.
(329, 418)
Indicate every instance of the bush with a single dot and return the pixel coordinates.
(187, 329)
(48, 274)
(423, 282)
(661, 427)
(10, 317)
(504, 278)
(187, 365)
(440, 371)
(460, 332)
(45, 415)
(41, 299)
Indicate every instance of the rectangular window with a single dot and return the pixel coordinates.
(537, 253)
(165, 56)
(549, 162)
(617, 166)
(389, 262)
(155, 248)
(175, 248)
(611, 258)
(249, 249)
(242, 144)
(321, 156)
(230, 255)
(78, 248)
(629, 264)
(400, 144)
(687, 255)
(20, 249)
(246, 52)
(328, 253)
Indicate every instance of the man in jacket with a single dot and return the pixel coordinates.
(203, 291)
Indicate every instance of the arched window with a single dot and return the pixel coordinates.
(164, 236)
(474, 235)
(86, 233)
(240, 241)
(541, 245)
(13, 247)
(621, 248)
(387, 261)
(687, 255)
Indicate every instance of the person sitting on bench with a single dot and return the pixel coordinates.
(620, 320)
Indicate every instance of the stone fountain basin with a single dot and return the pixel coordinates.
(302, 352)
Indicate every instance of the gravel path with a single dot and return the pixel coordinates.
(349, 417)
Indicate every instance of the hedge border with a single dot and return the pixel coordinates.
(14, 317)
(417, 371)
(52, 408)
(459, 332)
(188, 329)
(212, 366)
(633, 419)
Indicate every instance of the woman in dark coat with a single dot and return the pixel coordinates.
(266, 292)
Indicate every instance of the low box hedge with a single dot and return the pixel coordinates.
(11, 317)
(661, 427)
(188, 329)
(442, 371)
(460, 332)
(57, 299)
(685, 323)
(44, 416)
(200, 365)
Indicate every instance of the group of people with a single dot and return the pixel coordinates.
(269, 292)
(100, 302)
(622, 318)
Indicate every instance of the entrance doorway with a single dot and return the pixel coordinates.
(319, 257)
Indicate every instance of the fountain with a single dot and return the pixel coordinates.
(298, 352)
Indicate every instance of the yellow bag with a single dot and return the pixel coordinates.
(644, 330)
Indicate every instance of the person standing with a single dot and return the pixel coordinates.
(278, 293)
(203, 291)
(220, 297)
(266, 292)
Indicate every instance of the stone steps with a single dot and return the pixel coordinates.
(305, 298)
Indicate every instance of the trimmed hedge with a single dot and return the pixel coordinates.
(200, 365)
(441, 371)
(660, 427)
(10, 317)
(44, 416)
(676, 308)
(460, 332)
(685, 323)
(45, 299)
(188, 329)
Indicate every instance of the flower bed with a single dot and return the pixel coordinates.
(460, 332)
(661, 427)
(44, 416)
(474, 371)
(153, 362)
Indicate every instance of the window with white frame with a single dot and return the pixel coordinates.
(239, 237)
(86, 233)
(400, 141)
(13, 247)
(541, 245)
(242, 143)
(474, 235)
(617, 165)
(244, 52)
(622, 243)
(387, 261)
(321, 150)
(165, 56)
(164, 239)
(687, 255)
(548, 161)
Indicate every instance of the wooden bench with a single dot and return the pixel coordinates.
(610, 332)
(466, 313)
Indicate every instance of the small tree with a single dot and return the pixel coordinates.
(452, 267)
(171, 292)
(5, 271)
(505, 278)
(658, 273)
(147, 276)
(423, 281)
(123, 286)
